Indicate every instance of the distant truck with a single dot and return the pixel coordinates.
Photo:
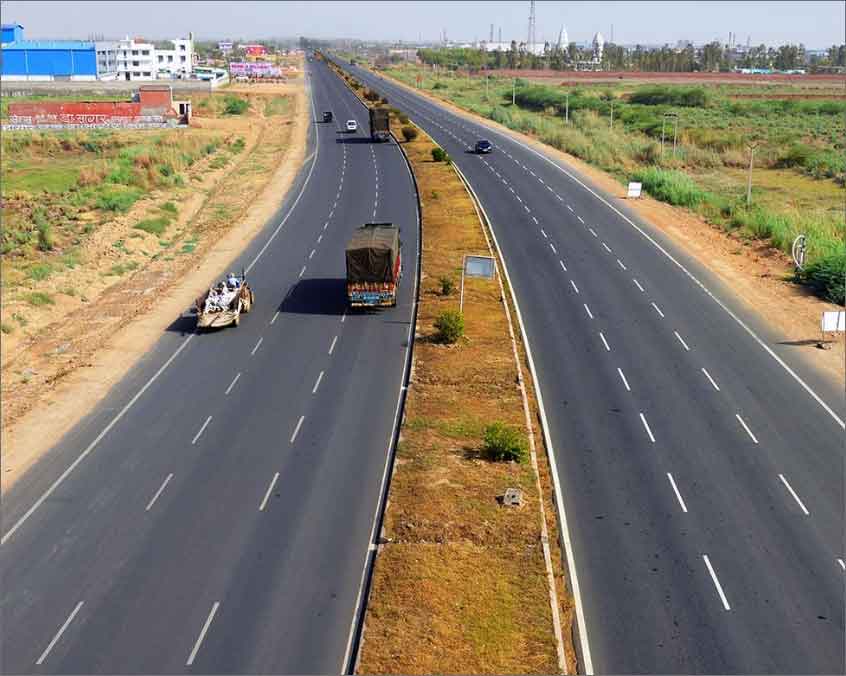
(374, 265)
(380, 124)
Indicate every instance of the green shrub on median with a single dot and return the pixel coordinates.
(504, 444)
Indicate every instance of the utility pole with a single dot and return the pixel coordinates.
(611, 126)
(514, 92)
(751, 146)
(567, 108)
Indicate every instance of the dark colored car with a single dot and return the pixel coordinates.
(327, 116)
(483, 146)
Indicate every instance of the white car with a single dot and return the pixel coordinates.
(352, 125)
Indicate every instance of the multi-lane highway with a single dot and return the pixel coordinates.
(699, 467)
(215, 513)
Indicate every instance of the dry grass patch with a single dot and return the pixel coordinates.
(460, 586)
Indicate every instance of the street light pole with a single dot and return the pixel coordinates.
(751, 148)
(675, 134)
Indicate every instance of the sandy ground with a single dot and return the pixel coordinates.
(133, 314)
(637, 77)
(754, 272)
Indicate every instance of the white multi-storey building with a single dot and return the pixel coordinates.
(144, 61)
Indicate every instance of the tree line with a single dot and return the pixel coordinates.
(711, 57)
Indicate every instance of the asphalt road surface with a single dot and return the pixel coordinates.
(215, 514)
(700, 464)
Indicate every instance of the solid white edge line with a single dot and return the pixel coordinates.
(158, 492)
(297, 428)
(302, 272)
(716, 582)
(687, 273)
(553, 594)
(311, 255)
(202, 429)
(274, 317)
(793, 493)
(202, 635)
(46, 494)
(258, 344)
(623, 377)
(345, 665)
(332, 346)
(746, 427)
(269, 491)
(713, 382)
(581, 623)
(59, 633)
(681, 340)
(302, 190)
(646, 426)
(317, 383)
(605, 342)
(676, 491)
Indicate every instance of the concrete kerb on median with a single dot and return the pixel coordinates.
(553, 594)
(355, 640)
(585, 661)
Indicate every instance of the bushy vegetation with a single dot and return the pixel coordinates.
(827, 276)
(439, 155)
(235, 105)
(450, 326)
(409, 133)
(668, 185)
(447, 285)
(503, 443)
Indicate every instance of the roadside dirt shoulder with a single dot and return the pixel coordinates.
(54, 381)
(758, 275)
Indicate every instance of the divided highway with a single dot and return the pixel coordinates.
(700, 469)
(215, 514)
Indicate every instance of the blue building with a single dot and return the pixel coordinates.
(12, 32)
(56, 60)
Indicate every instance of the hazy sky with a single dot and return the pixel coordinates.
(816, 24)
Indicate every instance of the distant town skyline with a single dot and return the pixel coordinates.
(814, 24)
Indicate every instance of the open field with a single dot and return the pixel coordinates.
(91, 216)
(799, 175)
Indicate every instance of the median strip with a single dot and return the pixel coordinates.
(460, 581)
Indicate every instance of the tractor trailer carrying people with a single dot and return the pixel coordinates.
(374, 265)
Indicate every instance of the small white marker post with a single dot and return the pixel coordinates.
(634, 190)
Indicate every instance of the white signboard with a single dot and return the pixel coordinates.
(833, 322)
(479, 266)
(634, 190)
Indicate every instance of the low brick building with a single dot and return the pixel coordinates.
(153, 107)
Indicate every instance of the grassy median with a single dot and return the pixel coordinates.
(459, 584)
